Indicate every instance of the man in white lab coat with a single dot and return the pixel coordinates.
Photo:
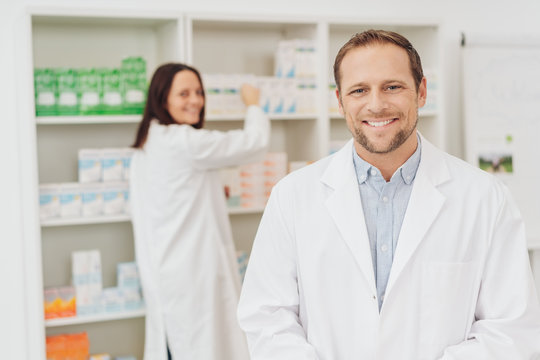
(389, 249)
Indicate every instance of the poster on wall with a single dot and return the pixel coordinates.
(502, 122)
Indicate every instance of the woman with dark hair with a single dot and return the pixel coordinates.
(183, 241)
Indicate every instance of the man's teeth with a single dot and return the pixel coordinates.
(379, 123)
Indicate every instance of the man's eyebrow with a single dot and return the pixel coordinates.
(364, 84)
(356, 85)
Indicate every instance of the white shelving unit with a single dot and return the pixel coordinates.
(92, 39)
(244, 44)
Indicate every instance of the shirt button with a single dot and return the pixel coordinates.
(385, 198)
(384, 248)
(373, 172)
(382, 298)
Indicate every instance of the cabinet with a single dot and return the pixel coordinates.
(93, 39)
(226, 44)
(249, 44)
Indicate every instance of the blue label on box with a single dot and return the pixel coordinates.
(108, 163)
(86, 164)
(45, 199)
(68, 198)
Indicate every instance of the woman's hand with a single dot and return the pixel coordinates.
(250, 94)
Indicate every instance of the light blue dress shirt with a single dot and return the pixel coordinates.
(384, 205)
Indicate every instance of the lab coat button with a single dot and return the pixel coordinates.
(385, 198)
(384, 248)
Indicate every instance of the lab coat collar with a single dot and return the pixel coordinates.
(345, 208)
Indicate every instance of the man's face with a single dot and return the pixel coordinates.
(378, 97)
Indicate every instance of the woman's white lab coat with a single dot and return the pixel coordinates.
(183, 241)
(460, 285)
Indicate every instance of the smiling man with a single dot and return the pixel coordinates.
(390, 248)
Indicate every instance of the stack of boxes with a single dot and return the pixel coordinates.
(87, 280)
(91, 91)
(68, 346)
(249, 186)
(223, 93)
(87, 296)
(292, 89)
(75, 347)
(102, 188)
(60, 302)
(296, 66)
(126, 296)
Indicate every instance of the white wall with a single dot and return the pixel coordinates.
(469, 16)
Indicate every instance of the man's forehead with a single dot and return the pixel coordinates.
(371, 49)
(385, 62)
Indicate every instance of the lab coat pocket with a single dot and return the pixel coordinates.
(446, 305)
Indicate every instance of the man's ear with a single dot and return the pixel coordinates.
(340, 105)
(422, 92)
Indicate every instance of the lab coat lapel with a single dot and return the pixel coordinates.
(425, 203)
(345, 208)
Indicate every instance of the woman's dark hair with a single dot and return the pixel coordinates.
(156, 102)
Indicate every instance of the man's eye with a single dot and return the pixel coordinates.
(358, 91)
(393, 87)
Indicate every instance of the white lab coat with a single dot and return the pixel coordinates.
(183, 241)
(460, 285)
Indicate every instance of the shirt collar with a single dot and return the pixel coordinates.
(407, 170)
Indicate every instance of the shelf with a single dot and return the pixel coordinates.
(87, 119)
(85, 220)
(76, 320)
(123, 218)
(133, 119)
(239, 117)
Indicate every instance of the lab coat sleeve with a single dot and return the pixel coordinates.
(507, 314)
(212, 149)
(269, 303)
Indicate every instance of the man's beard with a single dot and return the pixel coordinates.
(398, 139)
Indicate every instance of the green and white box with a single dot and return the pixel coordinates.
(45, 92)
(89, 91)
(134, 84)
(111, 100)
(67, 84)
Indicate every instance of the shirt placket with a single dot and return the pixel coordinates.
(384, 238)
